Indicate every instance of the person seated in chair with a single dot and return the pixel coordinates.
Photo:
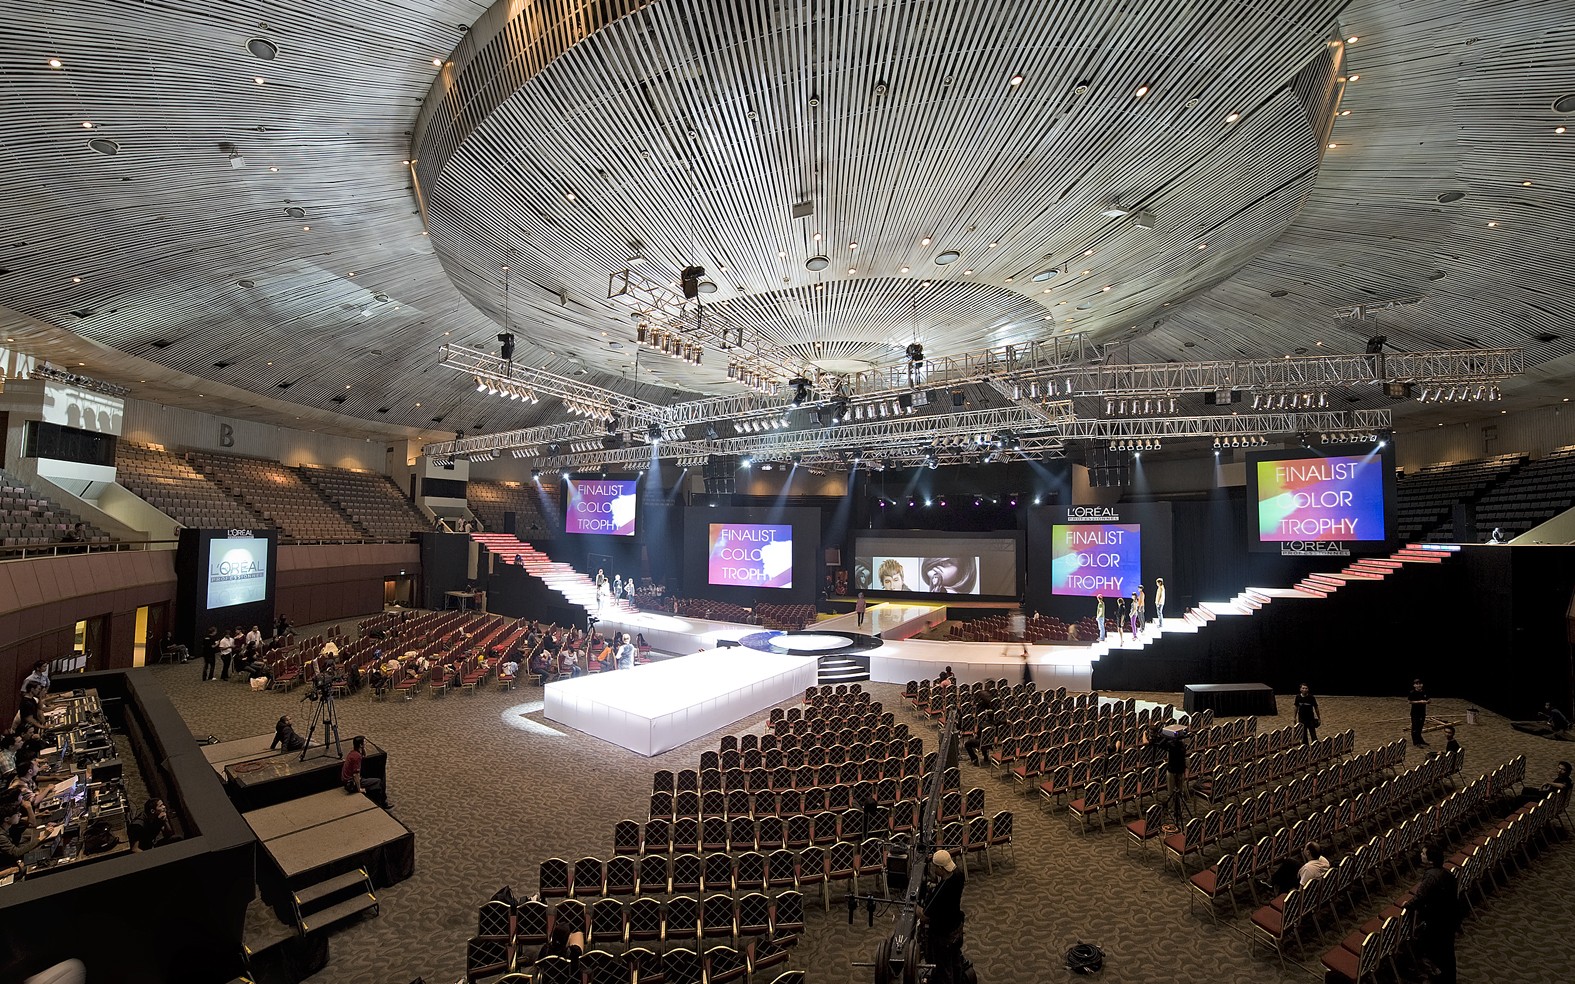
(1560, 783)
(376, 678)
(566, 943)
(1551, 723)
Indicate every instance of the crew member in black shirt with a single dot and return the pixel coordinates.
(1437, 906)
(1418, 699)
(942, 917)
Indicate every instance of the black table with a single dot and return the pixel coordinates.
(1232, 699)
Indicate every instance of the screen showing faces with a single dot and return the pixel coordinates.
(1090, 559)
(937, 565)
(599, 505)
(1333, 498)
(237, 571)
(750, 555)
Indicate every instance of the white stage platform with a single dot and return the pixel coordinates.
(1071, 667)
(889, 620)
(676, 634)
(659, 706)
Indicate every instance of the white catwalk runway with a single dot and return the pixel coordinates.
(659, 706)
(889, 620)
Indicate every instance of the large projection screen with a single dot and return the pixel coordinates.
(1088, 559)
(238, 572)
(925, 563)
(750, 555)
(1344, 496)
(603, 506)
(747, 554)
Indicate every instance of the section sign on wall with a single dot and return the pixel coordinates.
(750, 555)
(237, 571)
(1090, 559)
(599, 505)
(1332, 498)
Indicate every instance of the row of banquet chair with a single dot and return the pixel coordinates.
(815, 734)
(1359, 955)
(1256, 862)
(714, 772)
(809, 868)
(787, 791)
(678, 965)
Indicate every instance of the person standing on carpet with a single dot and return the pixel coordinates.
(1437, 905)
(1307, 719)
(1419, 701)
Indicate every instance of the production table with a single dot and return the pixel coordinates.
(1231, 699)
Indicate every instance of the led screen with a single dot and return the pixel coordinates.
(1096, 559)
(936, 565)
(751, 555)
(1333, 498)
(599, 505)
(237, 571)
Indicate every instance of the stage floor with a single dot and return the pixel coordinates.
(659, 706)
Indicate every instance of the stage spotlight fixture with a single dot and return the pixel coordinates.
(915, 353)
(507, 351)
(800, 389)
(905, 401)
(1376, 344)
(689, 281)
(654, 433)
(957, 398)
(745, 461)
(535, 474)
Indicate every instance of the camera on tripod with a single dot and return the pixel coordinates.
(322, 687)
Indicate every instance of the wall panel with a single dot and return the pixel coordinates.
(150, 423)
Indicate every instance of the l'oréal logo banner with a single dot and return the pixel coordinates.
(1092, 514)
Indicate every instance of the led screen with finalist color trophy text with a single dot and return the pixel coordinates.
(1090, 559)
(1331, 498)
(750, 555)
(599, 505)
(237, 571)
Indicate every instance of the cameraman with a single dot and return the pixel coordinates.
(942, 918)
(1174, 748)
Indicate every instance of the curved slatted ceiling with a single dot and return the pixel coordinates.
(687, 129)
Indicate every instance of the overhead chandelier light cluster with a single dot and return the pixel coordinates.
(1249, 441)
(1135, 407)
(1135, 444)
(1481, 392)
(505, 389)
(1290, 401)
(670, 343)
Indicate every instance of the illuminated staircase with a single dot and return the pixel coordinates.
(577, 588)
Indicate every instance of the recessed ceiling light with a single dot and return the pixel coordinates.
(994, 245)
(817, 263)
(1044, 275)
(263, 48)
(1008, 280)
(1525, 184)
(853, 245)
(259, 80)
(903, 270)
(105, 146)
(1345, 112)
(1142, 91)
(1333, 145)
(54, 63)
(568, 196)
(1450, 196)
(949, 256)
(967, 273)
(1558, 129)
(781, 254)
(76, 280)
(437, 63)
(1354, 78)
(306, 228)
(247, 283)
(1233, 117)
(88, 125)
(1492, 225)
(1203, 245)
(1352, 39)
(295, 212)
(926, 240)
(1105, 289)
(1017, 80)
(852, 270)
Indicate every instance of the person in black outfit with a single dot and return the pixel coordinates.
(984, 728)
(1175, 752)
(210, 654)
(942, 917)
(565, 943)
(1561, 782)
(1307, 719)
(1550, 723)
(1437, 905)
(1419, 700)
(284, 737)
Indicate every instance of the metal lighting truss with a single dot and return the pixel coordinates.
(1038, 378)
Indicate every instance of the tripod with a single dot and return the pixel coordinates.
(328, 716)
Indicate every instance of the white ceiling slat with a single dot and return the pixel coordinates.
(600, 100)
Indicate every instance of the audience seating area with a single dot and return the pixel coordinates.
(279, 496)
(28, 518)
(1532, 496)
(1424, 499)
(371, 500)
(785, 618)
(490, 500)
(172, 486)
(1039, 628)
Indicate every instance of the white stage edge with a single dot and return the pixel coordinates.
(657, 707)
(889, 620)
(1071, 667)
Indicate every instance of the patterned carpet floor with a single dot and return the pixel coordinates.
(491, 789)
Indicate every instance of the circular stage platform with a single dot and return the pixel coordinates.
(811, 642)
